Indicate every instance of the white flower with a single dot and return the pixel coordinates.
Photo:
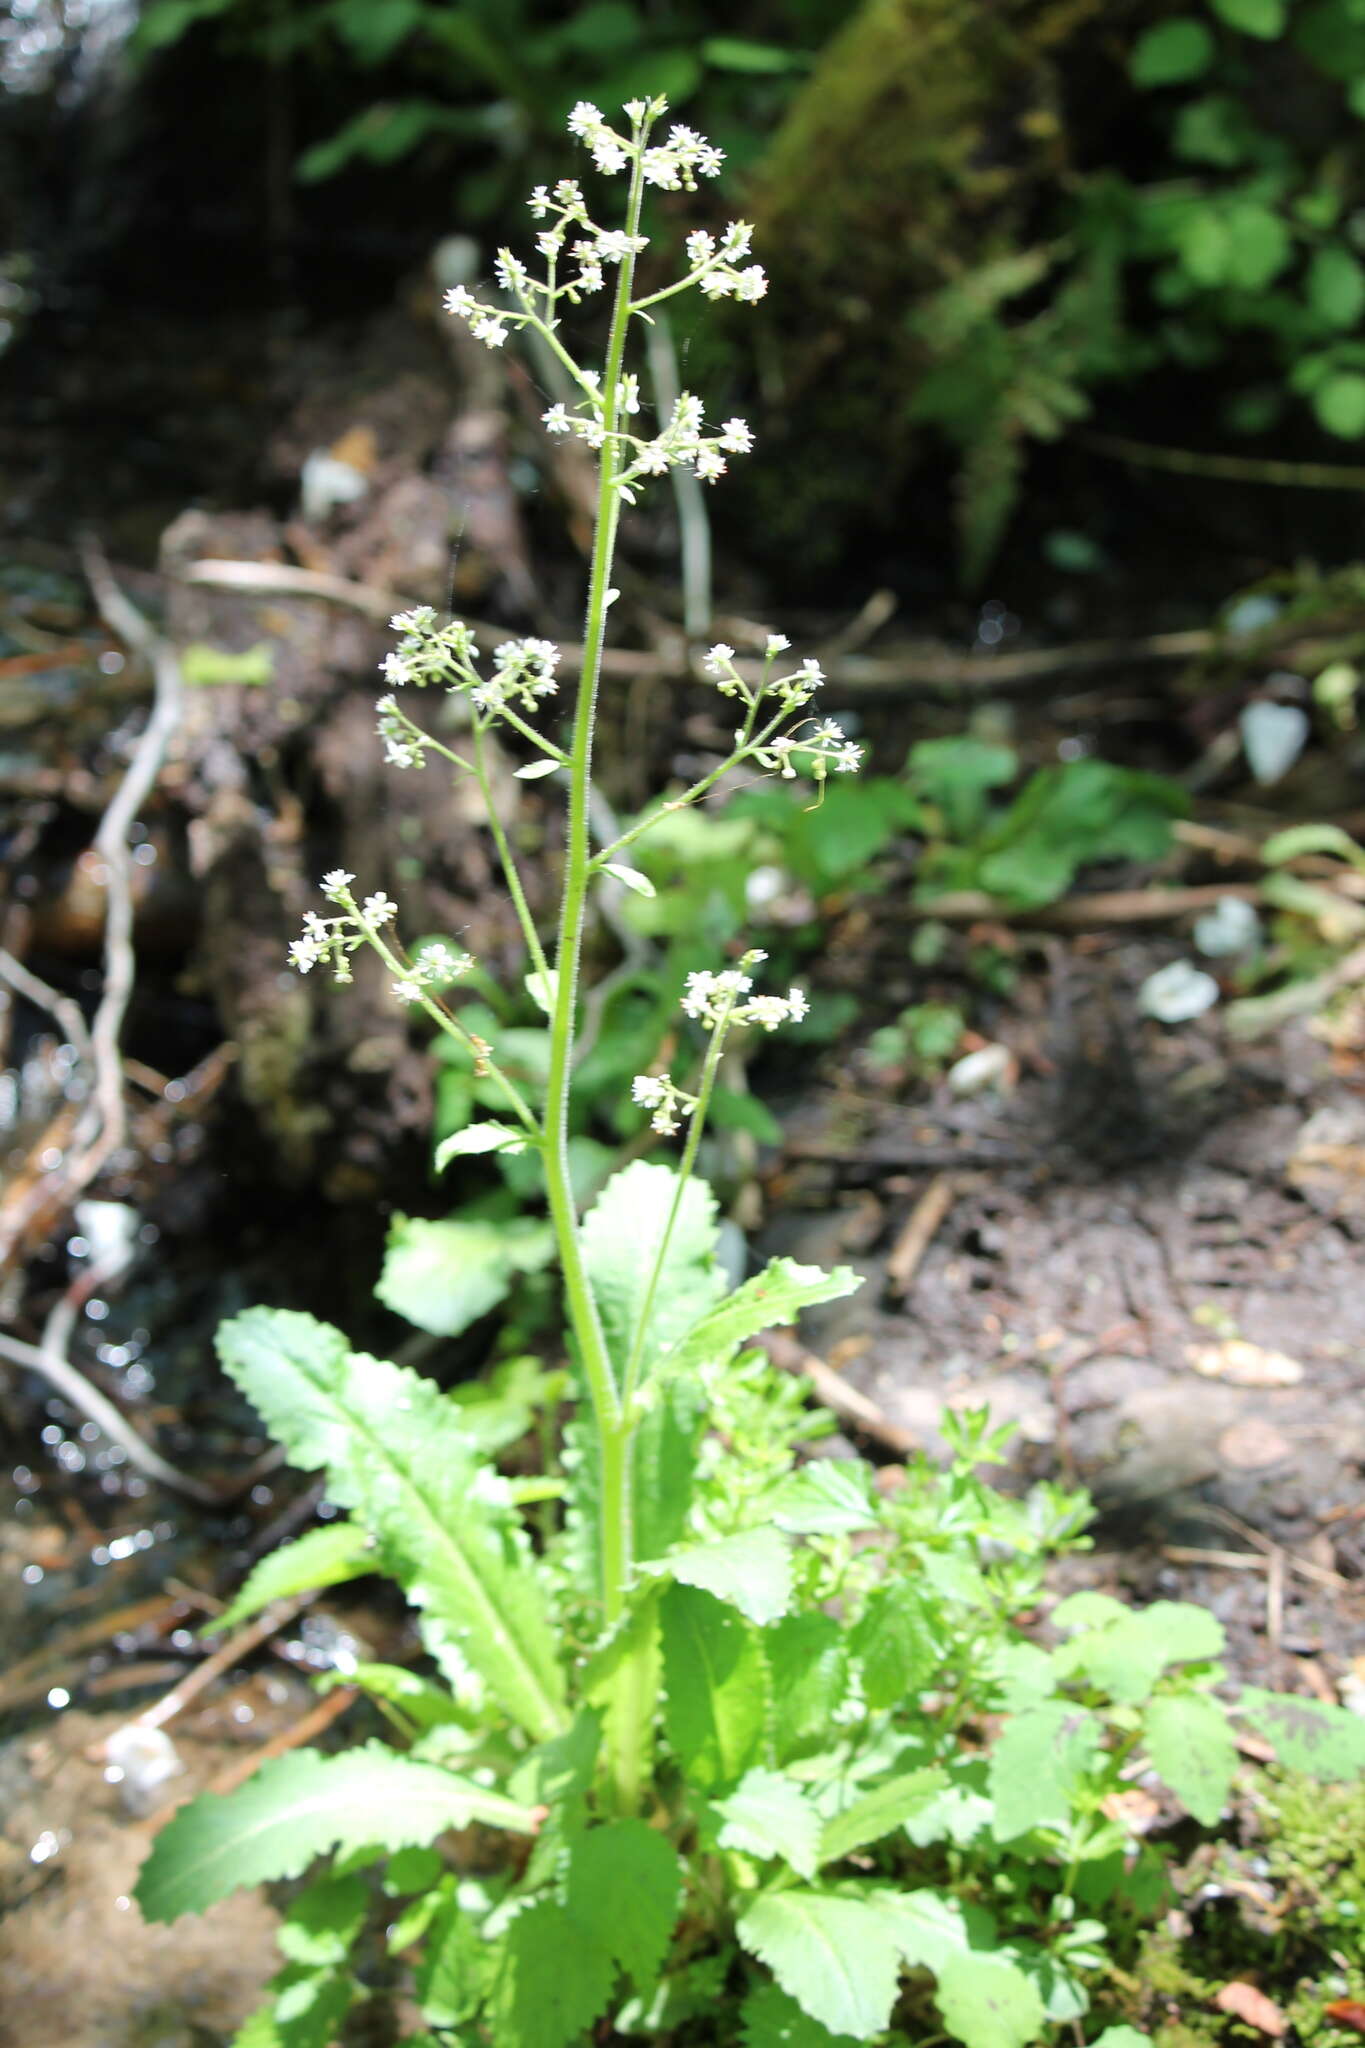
(408, 990)
(652, 459)
(717, 661)
(778, 643)
(416, 621)
(585, 120)
(628, 394)
(614, 245)
(304, 954)
(556, 420)
(462, 303)
(491, 333)
(379, 909)
(811, 672)
(736, 437)
(510, 271)
(701, 247)
(798, 1004)
(738, 236)
(395, 669)
(647, 1090)
(549, 243)
(751, 284)
(710, 464)
(539, 202)
(336, 882)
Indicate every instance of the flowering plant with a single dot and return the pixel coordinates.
(718, 1707)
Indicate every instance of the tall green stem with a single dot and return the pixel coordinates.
(613, 1428)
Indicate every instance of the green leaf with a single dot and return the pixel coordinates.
(1259, 245)
(477, 1138)
(769, 1815)
(301, 1806)
(879, 1812)
(543, 989)
(396, 1455)
(1339, 402)
(751, 1571)
(1127, 1654)
(553, 1980)
(308, 2010)
(534, 771)
(770, 2018)
(328, 1556)
(929, 1929)
(1171, 53)
(624, 1886)
(715, 1687)
(827, 1497)
(1336, 287)
(324, 1920)
(1187, 1737)
(834, 1956)
(1312, 1736)
(419, 1701)
(1263, 18)
(454, 1966)
(808, 1660)
(664, 1463)
(1037, 1762)
(1121, 2037)
(961, 1813)
(622, 1233)
(897, 1644)
(630, 878)
(733, 53)
(444, 1275)
(772, 1297)
(988, 2002)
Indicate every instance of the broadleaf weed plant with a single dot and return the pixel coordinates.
(726, 1741)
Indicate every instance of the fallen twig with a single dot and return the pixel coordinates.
(834, 1393)
(919, 1231)
(237, 1646)
(318, 1717)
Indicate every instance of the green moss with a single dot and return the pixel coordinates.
(1315, 1847)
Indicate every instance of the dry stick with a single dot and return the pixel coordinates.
(108, 1122)
(318, 1717)
(1268, 1548)
(63, 1009)
(920, 1228)
(833, 1393)
(245, 1639)
(854, 675)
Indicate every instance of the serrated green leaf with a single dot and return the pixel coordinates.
(396, 1455)
(772, 1297)
(768, 1815)
(308, 2010)
(897, 1643)
(421, 1702)
(988, 2002)
(1187, 1737)
(1312, 1736)
(623, 1885)
(751, 1571)
(770, 2018)
(715, 1687)
(961, 1813)
(879, 1812)
(476, 1138)
(808, 1660)
(930, 1928)
(455, 1966)
(1037, 1761)
(1127, 1654)
(833, 1955)
(552, 1980)
(622, 1233)
(328, 1556)
(827, 1497)
(444, 1275)
(301, 1806)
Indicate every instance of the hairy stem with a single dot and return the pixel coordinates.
(509, 866)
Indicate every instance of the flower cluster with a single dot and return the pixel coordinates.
(331, 940)
(813, 749)
(405, 744)
(792, 691)
(426, 652)
(434, 967)
(523, 671)
(673, 165)
(712, 999)
(658, 1093)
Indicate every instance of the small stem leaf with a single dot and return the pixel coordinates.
(898, 1642)
(715, 1687)
(1124, 1653)
(328, 1556)
(631, 878)
(534, 770)
(1188, 1739)
(301, 1806)
(988, 2002)
(773, 1296)
(834, 1956)
(768, 1815)
(480, 1138)
(770, 2018)
(543, 990)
